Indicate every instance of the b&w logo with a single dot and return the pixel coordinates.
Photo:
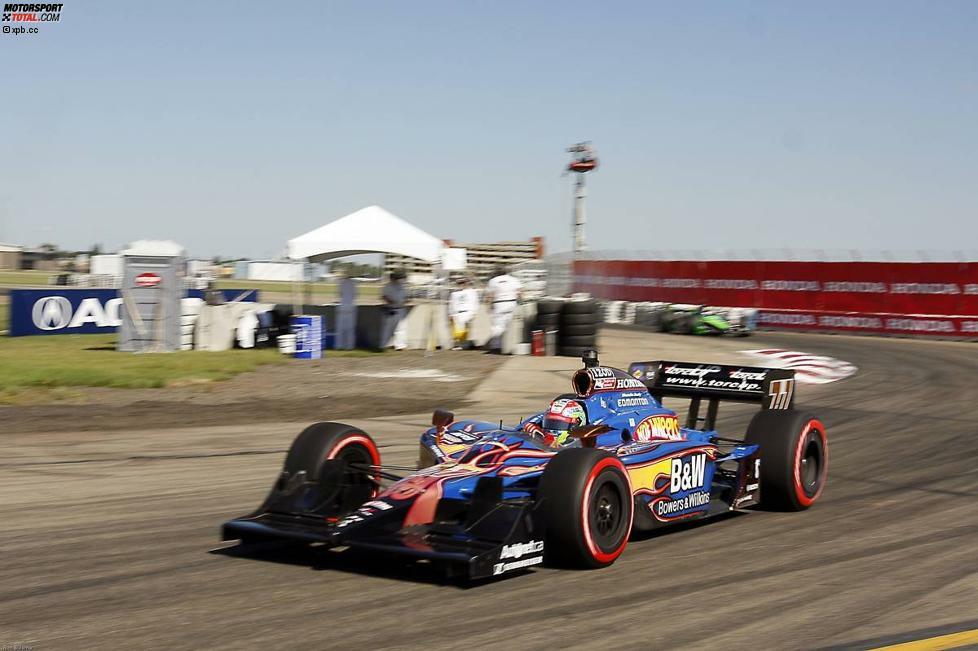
(52, 313)
(687, 473)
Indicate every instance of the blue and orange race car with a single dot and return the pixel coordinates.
(565, 487)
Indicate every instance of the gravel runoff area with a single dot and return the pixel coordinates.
(385, 384)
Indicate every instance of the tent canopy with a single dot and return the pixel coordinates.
(155, 248)
(369, 230)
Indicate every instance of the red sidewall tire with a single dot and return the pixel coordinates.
(602, 557)
(813, 426)
(363, 441)
(784, 439)
(588, 508)
(321, 442)
(355, 439)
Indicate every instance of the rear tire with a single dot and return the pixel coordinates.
(794, 454)
(587, 501)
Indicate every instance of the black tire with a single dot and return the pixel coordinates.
(580, 481)
(682, 325)
(548, 306)
(330, 490)
(665, 321)
(794, 454)
(580, 341)
(573, 351)
(585, 330)
(580, 307)
(549, 320)
(578, 319)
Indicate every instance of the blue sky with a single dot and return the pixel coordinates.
(232, 126)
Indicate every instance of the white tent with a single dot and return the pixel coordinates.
(158, 248)
(369, 230)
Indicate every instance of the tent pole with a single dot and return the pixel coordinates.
(295, 296)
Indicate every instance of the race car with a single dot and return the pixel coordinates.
(565, 487)
(704, 320)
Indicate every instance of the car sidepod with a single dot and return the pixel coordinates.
(677, 481)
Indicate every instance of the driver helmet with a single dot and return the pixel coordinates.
(563, 415)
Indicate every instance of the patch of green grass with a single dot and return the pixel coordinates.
(25, 278)
(92, 361)
(318, 290)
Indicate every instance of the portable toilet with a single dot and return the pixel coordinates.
(152, 287)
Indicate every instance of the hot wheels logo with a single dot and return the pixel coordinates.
(661, 426)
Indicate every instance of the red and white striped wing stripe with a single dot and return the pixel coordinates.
(814, 369)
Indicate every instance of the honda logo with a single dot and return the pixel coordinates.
(52, 312)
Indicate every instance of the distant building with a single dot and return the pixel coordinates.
(10, 256)
(480, 259)
(105, 264)
(42, 258)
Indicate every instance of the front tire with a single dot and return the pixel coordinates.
(586, 499)
(794, 454)
(312, 483)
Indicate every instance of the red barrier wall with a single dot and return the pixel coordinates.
(885, 291)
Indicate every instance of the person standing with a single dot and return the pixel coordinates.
(503, 293)
(394, 296)
(346, 313)
(462, 305)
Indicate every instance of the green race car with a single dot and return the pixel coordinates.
(699, 320)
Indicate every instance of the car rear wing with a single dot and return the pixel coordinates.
(771, 388)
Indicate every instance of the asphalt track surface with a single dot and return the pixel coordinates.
(107, 540)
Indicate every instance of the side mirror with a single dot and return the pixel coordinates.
(442, 418)
(588, 434)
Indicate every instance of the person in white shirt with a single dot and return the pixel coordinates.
(462, 305)
(394, 296)
(503, 293)
(346, 313)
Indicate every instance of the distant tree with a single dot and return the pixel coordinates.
(95, 249)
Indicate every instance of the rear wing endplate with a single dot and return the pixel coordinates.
(771, 388)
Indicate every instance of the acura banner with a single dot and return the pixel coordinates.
(62, 311)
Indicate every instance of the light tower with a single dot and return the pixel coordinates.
(583, 162)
